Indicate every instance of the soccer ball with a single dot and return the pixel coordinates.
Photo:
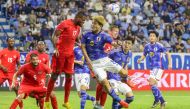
(114, 8)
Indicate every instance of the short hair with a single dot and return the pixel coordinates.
(154, 32)
(33, 55)
(129, 38)
(41, 42)
(81, 13)
(10, 38)
(114, 26)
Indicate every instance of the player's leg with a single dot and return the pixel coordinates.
(41, 103)
(155, 75)
(57, 64)
(124, 89)
(15, 89)
(68, 70)
(102, 77)
(53, 100)
(103, 98)
(16, 101)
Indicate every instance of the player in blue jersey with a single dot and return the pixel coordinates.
(154, 51)
(122, 57)
(97, 60)
(82, 77)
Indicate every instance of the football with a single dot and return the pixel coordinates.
(114, 8)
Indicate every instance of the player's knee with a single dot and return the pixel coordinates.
(129, 99)
(83, 87)
(152, 82)
(68, 75)
(20, 97)
(123, 72)
(54, 76)
(52, 94)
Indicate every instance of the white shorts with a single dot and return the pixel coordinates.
(119, 87)
(101, 66)
(82, 79)
(156, 73)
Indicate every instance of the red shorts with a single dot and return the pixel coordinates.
(6, 76)
(63, 64)
(28, 89)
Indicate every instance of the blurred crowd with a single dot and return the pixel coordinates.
(34, 20)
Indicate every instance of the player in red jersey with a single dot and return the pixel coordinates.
(9, 60)
(63, 40)
(43, 58)
(33, 83)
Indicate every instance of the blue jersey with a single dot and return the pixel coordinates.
(95, 44)
(122, 59)
(79, 57)
(154, 53)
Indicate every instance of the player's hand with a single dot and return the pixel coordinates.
(139, 61)
(169, 66)
(4, 69)
(56, 52)
(80, 63)
(12, 86)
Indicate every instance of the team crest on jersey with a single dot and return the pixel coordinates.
(98, 38)
(40, 72)
(91, 43)
(155, 49)
(151, 54)
(74, 33)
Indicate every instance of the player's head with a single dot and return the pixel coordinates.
(34, 59)
(98, 23)
(80, 18)
(153, 35)
(114, 31)
(41, 46)
(128, 43)
(10, 42)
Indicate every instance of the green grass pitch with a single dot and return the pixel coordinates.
(143, 100)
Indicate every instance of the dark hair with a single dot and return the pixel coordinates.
(154, 32)
(33, 55)
(10, 38)
(81, 14)
(130, 39)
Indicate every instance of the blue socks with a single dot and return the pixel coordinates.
(115, 105)
(84, 97)
(157, 94)
(114, 95)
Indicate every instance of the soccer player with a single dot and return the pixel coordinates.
(34, 75)
(43, 58)
(101, 94)
(63, 59)
(97, 60)
(122, 57)
(82, 77)
(154, 51)
(9, 58)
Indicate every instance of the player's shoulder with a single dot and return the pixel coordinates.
(105, 34)
(159, 44)
(147, 44)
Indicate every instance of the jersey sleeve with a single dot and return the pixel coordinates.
(108, 39)
(27, 58)
(47, 69)
(162, 49)
(21, 70)
(83, 40)
(61, 26)
(145, 52)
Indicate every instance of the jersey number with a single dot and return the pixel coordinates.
(10, 60)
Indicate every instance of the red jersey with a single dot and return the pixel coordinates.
(34, 76)
(66, 40)
(43, 57)
(9, 59)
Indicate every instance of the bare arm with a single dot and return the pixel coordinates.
(55, 36)
(141, 59)
(86, 56)
(169, 60)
